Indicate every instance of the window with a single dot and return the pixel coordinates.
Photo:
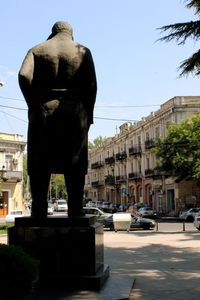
(139, 140)
(9, 159)
(148, 162)
(157, 132)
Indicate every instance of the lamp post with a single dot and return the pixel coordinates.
(1, 83)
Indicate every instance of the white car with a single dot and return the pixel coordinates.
(197, 221)
(10, 218)
(146, 212)
(61, 205)
(189, 214)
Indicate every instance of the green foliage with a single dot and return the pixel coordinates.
(179, 153)
(19, 272)
(180, 32)
(4, 228)
(96, 142)
(58, 188)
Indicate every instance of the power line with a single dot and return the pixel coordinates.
(96, 106)
(100, 118)
(125, 106)
(112, 119)
(15, 99)
(13, 116)
(12, 107)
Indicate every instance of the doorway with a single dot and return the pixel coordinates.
(3, 203)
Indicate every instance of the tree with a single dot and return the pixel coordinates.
(96, 142)
(179, 153)
(181, 32)
(58, 188)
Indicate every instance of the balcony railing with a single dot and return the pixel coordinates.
(135, 175)
(110, 179)
(97, 183)
(135, 150)
(121, 155)
(149, 172)
(110, 160)
(97, 165)
(149, 144)
(121, 178)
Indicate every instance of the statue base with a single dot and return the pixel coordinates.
(70, 250)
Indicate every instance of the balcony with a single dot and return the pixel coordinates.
(135, 176)
(149, 172)
(121, 178)
(110, 180)
(12, 176)
(149, 144)
(110, 160)
(121, 155)
(135, 150)
(97, 165)
(97, 183)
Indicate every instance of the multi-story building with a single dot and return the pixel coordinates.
(122, 169)
(11, 168)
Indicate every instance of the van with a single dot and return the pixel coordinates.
(61, 205)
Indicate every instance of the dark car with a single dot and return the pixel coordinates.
(128, 221)
(101, 217)
(143, 223)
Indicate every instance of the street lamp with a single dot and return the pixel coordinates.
(1, 83)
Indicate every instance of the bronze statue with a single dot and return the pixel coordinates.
(58, 81)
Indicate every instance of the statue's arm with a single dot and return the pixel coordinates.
(90, 85)
(25, 76)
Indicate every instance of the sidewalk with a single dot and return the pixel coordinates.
(164, 265)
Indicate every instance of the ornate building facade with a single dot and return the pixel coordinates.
(11, 168)
(122, 169)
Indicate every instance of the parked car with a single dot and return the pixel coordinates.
(143, 223)
(189, 214)
(10, 218)
(127, 221)
(102, 217)
(146, 212)
(61, 205)
(197, 221)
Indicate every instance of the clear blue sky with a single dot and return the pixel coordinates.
(132, 68)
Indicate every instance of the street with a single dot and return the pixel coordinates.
(174, 227)
(161, 227)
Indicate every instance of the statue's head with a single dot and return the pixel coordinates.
(61, 26)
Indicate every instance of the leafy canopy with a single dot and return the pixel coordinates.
(179, 153)
(96, 142)
(180, 32)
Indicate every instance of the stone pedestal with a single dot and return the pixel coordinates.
(70, 250)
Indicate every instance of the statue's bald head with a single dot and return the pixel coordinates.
(62, 26)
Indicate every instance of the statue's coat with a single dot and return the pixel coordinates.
(58, 119)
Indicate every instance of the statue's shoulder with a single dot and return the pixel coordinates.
(83, 49)
(39, 47)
